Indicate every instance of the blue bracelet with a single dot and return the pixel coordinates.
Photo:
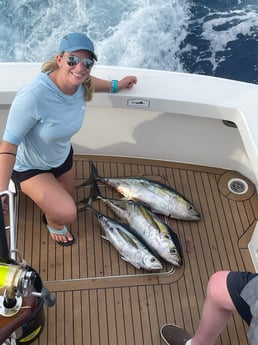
(114, 86)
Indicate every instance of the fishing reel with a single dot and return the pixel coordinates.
(22, 303)
(22, 293)
(19, 282)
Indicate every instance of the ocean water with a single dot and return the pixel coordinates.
(211, 37)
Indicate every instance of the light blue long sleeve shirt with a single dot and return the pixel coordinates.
(41, 121)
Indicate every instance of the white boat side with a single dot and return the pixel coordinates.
(167, 116)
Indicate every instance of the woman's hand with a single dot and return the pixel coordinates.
(5, 207)
(127, 82)
(103, 85)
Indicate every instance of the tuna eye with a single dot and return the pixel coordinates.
(173, 251)
(153, 259)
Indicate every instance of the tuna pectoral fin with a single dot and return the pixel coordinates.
(131, 262)
(129, 239)
(105, 238)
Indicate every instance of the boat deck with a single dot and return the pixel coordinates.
(101, 299)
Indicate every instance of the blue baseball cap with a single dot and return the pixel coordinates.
(77, 41)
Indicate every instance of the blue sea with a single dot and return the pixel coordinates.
(211, 37)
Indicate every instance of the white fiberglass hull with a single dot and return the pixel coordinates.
(167, 116)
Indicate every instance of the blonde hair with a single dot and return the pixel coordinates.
(51, 65)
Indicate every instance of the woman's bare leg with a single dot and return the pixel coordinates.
(67, 180)
(54, 198)
(217, 309)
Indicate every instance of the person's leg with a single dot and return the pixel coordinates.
(217, 309)
(67, 180)
(53, 196)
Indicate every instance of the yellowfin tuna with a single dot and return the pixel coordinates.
(158, 235)
(127, 243)
(160, 198)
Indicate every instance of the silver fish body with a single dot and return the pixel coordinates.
(160, 197)
(130, 247)
(158, 235)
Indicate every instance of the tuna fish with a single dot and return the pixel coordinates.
(161, 198)
(127, 243)
(158, 235)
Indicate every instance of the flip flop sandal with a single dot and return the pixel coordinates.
(58, 232)
(174, 335)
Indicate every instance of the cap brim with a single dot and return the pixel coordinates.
(73, 49)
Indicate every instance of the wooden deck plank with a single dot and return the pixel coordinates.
(86, 317)
(129, 335)
(101, 299)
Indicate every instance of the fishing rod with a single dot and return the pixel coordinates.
(22, 293)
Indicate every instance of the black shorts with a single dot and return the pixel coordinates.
(236, 281)
(20, 176)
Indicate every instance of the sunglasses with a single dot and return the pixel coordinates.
(73, 60)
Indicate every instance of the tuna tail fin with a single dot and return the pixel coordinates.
(94, 194)
(93, 175)
(87, 206)
(93, 170)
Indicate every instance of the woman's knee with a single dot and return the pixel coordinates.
(65, 214)
(59, 209)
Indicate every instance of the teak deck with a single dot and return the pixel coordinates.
(101, 299)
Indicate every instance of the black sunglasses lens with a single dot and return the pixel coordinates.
(73, 60)
(88, 63)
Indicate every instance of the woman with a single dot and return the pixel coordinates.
(36, 148)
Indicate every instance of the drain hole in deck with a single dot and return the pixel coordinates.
(237, 186)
